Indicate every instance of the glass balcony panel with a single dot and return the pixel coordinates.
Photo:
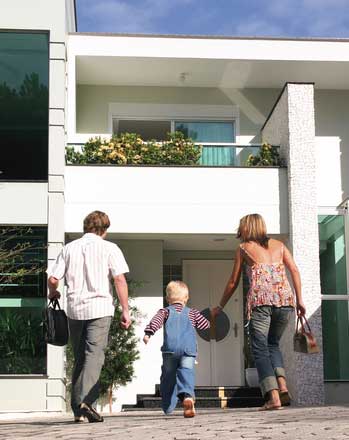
(213, 155)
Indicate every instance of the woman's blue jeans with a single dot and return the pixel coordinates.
(177, 377)
(267, 325)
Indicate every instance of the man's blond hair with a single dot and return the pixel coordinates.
(177, 291)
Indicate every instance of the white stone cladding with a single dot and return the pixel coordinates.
(292, 126)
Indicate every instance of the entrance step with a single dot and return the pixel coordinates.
(206, 397)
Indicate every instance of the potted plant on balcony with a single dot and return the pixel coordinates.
(268, 156)
(130, 149)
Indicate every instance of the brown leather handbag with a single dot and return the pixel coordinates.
(304, 341)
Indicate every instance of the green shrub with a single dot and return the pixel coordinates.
(120, 354)
(130, 149)
(268, 156)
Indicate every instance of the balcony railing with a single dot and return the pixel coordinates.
(213, 155)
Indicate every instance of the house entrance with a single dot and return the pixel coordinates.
(220, 359)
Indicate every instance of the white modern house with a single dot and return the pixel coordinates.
(230, 94)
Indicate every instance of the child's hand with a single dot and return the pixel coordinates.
(146, 339)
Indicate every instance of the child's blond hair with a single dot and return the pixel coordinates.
(177, 291)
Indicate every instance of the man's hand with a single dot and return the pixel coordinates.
(146, 339)
(54, 294)
(125, 319)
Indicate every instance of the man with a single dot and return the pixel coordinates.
(88, 265)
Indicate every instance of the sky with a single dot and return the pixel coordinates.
(274, 18)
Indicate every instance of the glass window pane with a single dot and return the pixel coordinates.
(23, 260)
(22, 345)
(332, 255)
(207, 131)
(147, 130)
(24, 106)
(335, 333)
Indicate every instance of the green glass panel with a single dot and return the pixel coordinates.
(333, 278)
(24, 79)
(202, 131)
(23, 302)
(332, 255)
(335, 333)
(22, 345)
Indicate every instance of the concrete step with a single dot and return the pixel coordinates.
(206, 397)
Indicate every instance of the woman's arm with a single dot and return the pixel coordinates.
(232, 282)
(296, 279)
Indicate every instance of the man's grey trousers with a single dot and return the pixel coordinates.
(89, 339)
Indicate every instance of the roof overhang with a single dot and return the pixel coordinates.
(208, 62)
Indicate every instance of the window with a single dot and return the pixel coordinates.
(148, 130)
(208, 133)
(23, 259)
(335, 311)
(24, 106)
(214, 136)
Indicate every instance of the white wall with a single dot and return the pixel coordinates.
(93, 104)
(23, 203)
(145, 261)
(41, 203)
(176, 200)
(332, 145)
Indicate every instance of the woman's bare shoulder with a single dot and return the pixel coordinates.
(273, 243)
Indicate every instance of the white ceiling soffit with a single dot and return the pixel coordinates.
(122, 71)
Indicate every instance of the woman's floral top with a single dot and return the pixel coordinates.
(269, 285)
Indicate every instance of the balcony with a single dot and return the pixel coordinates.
(208, 197)
(212, 155)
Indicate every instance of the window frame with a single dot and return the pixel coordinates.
(342, 296)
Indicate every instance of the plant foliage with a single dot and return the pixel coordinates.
(130, 149)
(268, 156)
(121, 353)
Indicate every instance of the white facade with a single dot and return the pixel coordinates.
(37, 203)
(162, 216)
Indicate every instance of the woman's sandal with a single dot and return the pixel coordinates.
(285, 398)
(270, 407)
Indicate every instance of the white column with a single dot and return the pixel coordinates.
(292, 126)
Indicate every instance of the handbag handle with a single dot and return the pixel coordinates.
(302, 320)
(54, 303)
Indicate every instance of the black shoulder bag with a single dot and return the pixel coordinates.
(55, 324)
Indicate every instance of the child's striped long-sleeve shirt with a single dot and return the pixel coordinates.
(196, 318)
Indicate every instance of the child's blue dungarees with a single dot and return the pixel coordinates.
(178, 352)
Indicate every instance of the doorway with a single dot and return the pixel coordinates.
(220, 350)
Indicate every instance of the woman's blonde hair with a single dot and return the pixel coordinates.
(177, 291)
(252, 228)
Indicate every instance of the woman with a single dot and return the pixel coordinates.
(270, 301)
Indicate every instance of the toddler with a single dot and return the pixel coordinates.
(179, 349)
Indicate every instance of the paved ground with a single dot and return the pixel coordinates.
(328, 423)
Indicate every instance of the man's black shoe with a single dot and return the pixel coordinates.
(90, 413)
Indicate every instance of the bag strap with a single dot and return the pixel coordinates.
(54, 303)
(303, 320)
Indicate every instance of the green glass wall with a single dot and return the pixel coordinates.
(24, 80)
(23, 259)
(335, 313)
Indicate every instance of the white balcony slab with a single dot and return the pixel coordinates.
(194, 200)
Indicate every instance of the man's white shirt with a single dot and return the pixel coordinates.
(88, 266)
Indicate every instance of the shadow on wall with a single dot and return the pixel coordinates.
(332, 119)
